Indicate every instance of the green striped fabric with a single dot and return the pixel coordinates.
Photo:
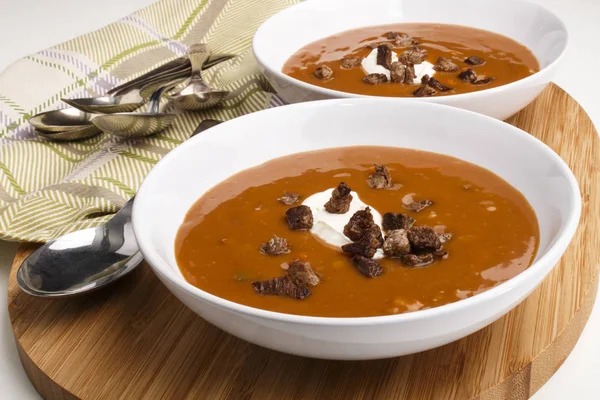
(48, 188)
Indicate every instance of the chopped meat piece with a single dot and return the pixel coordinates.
(417, 260)
(393, 221)
(289, 198)
(445, 65)
(323, 72)
(396, 243)
(483, 80)
(397, 72)
(415, 55)
(359, 223)
(474, 60)
(401, 39)
(418, 206)
(360, 248)
(468, 75)
(299, 217)
(381, 179)
(384, 55)
(410, 75)
(434, 83)
(424, 91)
(423, 238)
(445, 237)
(281, 286)
(368, 267)
(374, 79)
(404, 40)
(301, 273)
(367, 245)
(275, 246)
(471, 76)
(340, 199)
(351, 62)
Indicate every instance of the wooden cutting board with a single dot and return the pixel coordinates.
(135, 340)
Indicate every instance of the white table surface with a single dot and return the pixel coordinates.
(27, 26)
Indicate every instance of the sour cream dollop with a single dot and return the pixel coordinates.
(370, 66)
(330, 227)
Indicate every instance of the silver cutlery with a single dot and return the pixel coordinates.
(197, 95)
(86, 260)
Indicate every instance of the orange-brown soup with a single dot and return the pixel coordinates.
(495, 232)
(505, 59)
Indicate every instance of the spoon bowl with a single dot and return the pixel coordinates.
(130, 125)
(197, 95)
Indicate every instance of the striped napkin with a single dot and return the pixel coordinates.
(47, 188)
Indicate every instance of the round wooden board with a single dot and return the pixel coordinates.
(135, 340)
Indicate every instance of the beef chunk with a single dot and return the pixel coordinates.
(445, 237)
(474, 60)
(359, 223)
(384, 55)
(360, 248)
(281, 286)
(471, 76)
(410, 75)
(401, 39)
(468, 75)
(483, 80)
(351, 62)
(445, 65)
(396, 243)
(275, 246)
(418, 206)
(289, 198)
(301, 274)
(374, 79)
(434, 83)
(323, 72)
(415, 55)
(367, 244)
(423, 238)
(340, 199)
(393, 221)
(299, 217)
(381, 179)
(368, 267)
(424, 91)
(417, 260)
(397, 72)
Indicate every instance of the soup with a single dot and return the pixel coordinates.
(412, 60)
(448, 229)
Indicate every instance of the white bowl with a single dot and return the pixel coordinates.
(526, 22)
(185, 174)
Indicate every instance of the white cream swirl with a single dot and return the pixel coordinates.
(330, 227)
(370, 66)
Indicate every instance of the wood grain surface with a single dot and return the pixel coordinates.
(134, 340)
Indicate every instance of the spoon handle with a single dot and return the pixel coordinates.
(198, 54)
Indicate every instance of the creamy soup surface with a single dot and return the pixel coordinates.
(494, 232)
(484, 59)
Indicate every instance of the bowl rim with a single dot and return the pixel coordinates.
(554, 251)
(340, 94)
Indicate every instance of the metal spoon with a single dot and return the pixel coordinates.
(88, 259)
(197, 95)
(128, 97)
(133, 124)
(55, 124)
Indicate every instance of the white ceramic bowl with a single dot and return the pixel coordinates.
(185, 174)
(526, 22)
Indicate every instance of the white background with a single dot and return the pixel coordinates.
(27, 26)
